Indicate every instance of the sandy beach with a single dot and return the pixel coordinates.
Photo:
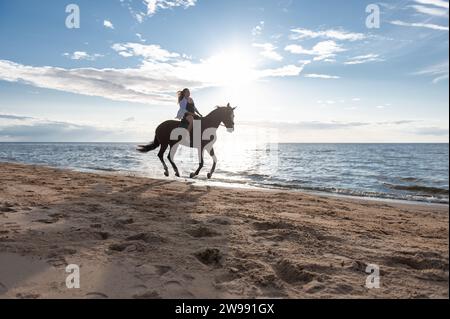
(142, 238)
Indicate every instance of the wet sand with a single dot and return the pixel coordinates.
(142, 238)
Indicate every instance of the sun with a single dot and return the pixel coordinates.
(231, 68)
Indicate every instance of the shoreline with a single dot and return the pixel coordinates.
(237, 186)
(137, 237)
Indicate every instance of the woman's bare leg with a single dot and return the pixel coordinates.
(190, 119)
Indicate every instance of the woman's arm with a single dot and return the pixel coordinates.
(195, 108)
(197, 111)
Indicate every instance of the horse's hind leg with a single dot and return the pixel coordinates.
(200, 166)
(161, 157)
(173, 151)
(213, 155)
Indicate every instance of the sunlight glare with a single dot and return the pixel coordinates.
(231, 68)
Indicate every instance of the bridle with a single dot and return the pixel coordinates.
(221, 124)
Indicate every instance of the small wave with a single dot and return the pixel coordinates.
(409, 179)
(8, 159)
(102, 169)
(429, 198)
(244, 174)
(419, 188)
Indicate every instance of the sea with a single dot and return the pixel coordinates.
(411, 172)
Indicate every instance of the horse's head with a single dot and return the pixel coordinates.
(228, 117)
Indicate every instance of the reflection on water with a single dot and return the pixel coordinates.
(398, 171)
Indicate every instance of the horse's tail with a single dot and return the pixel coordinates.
(150, 147)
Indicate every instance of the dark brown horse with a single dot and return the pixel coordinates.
(203, 138)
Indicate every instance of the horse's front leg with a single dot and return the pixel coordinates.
(200, 166)
(213, 155)
(161, 157)
(173, 151)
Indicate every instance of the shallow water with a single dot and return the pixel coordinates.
(417, 172)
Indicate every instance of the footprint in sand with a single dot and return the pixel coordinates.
(57, 258)
(162, 270)
(103, 235)
(96, 295)
(272, 225)
(210, 257)
(148, 295)
(119, 247)
(417, 262)
(292, 273)
(314, 287)
(202, 232)
(147, 238)
(122, 222)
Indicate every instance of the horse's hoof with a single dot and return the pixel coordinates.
(192, 175)
(166, 174)
(177, 174)
(209, 175)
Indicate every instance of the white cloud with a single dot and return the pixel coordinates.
(154, 5)
(160, 74)
(437, 3)
(133, 85)
(300, 33)
(440, 78)
(420, 25)
(321, 76)
(29, 129)
(268, 51)
(108, 24)
(431, 11)
(81, 55)
(440, 72)
(149, 52)
(139, 17)
(140, 37)
(256, 31)
(322, 51)
(285, 71)
(364, 59)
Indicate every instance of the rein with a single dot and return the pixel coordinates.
(203, 117)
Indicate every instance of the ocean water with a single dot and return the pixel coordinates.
(415, 172)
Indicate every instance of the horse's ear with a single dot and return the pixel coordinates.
(234, 108)
(228, 105)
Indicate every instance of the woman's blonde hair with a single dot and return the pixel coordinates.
(181, 95)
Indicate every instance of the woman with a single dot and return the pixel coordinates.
(187, 112)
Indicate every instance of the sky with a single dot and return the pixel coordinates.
(332, 71)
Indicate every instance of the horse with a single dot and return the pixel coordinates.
(171, 134)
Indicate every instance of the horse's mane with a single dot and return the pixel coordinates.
(217, 110)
